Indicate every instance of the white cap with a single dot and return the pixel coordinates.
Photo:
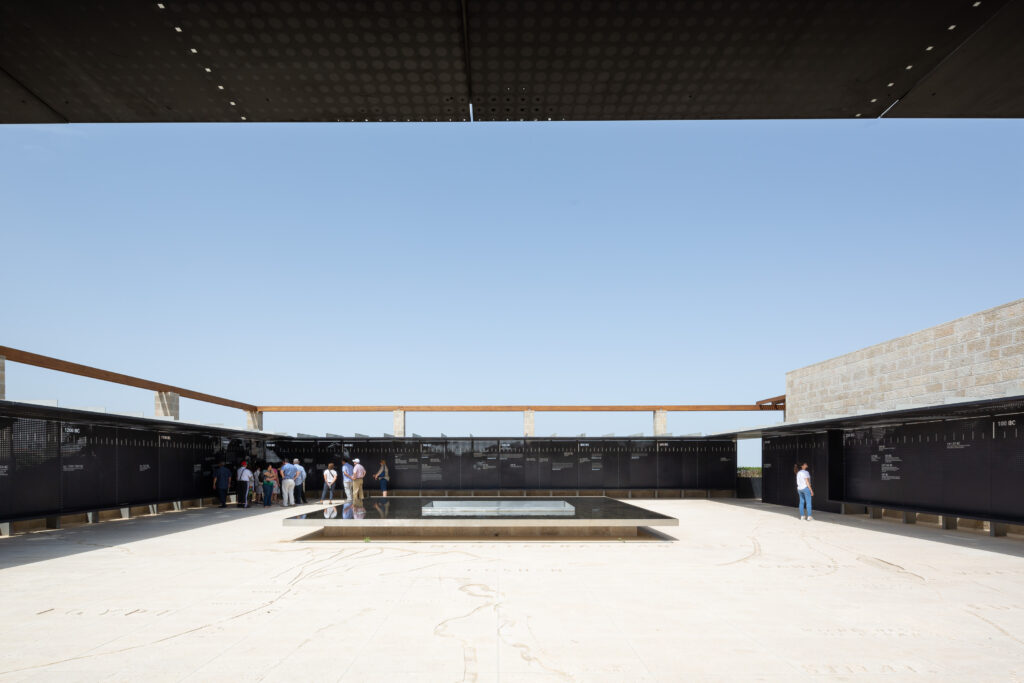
(295, 461)
(356, 460)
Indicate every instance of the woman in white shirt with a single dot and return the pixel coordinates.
(330, 477)
(803, 489)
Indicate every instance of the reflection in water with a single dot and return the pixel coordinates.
(412, 507)
(330, 513)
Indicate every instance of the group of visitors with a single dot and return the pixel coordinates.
(287, 482)
(265, 481)
(352, 475)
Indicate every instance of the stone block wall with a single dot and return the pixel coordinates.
(975, 357)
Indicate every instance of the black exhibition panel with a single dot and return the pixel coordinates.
(481, 470)
(717, 465)
(639, 469)
(7, 477)
(459, 454)
(138, 467)
(509, 60)
(83, 477)
(1006, 453)
(599, 463)
(434, 475)
(36, 471)
(512, 463)
(964, 459)
(403, 456)
(539, 453)
(670, 464)
(565, 466)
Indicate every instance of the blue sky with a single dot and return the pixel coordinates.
(680, 262)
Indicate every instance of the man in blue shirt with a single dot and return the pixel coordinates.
(289, 475)
(300, 483)
(221, 483)
(346, 478)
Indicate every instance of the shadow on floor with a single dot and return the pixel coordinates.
(1005, 545)
(39, 546)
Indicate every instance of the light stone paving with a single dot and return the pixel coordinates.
(746, 592)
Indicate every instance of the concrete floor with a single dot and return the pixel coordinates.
(747, 591)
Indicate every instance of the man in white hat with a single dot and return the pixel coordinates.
(358, 472)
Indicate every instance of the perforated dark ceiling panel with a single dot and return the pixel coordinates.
(426, 60)
(136, 60)
(651, 59)
(984, 77)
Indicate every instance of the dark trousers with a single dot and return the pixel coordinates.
(242, 494)
(300, 493)
(222, 494)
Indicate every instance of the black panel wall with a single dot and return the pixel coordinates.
(966, 466)
(55, 461)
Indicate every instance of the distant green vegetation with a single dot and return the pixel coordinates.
(748, 472)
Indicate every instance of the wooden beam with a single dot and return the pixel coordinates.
(49, 363)
(512, 409)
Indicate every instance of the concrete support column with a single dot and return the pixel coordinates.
(398, 422)
(254, 420)
(3, 382)
(528, 423)
(166, 403)
(660, 422)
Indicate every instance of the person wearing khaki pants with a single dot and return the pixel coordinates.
(358, 472)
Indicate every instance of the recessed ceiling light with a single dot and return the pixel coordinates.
(160, 5)
(873, 100)
(929, 48)
(909, 67)
(951, 27)
(209, 70)
(976, 4)
(890, 85)
(178, 29)
(857, 116)
(243, 118)
(232, 103)
(194, 51)
(220, 87)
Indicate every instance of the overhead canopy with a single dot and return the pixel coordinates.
(429, 60)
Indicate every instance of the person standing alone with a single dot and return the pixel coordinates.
(383, 476)
(243, 482)
(330, 477)
(804, 490)
(221, 483)
(300, 483)
(358, 472)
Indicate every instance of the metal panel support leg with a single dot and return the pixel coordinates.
(153, 509)
(126, 513)
(92, 517)
(177, 505)
(996, 529)
(947, 521)
(909, 517)
(875, 513)
(5, 528)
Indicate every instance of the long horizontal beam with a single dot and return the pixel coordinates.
(513, 409)
(18, 356)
